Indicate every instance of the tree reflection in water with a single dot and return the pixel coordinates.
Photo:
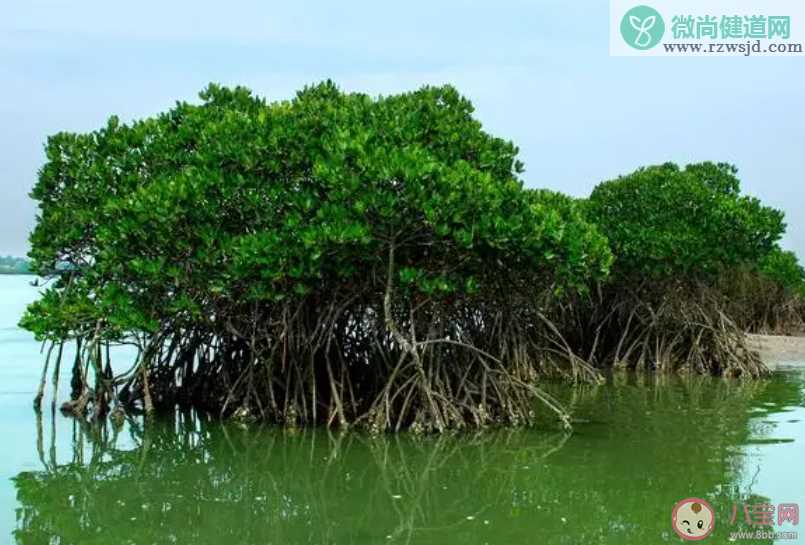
(642, 443)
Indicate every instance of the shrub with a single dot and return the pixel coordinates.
(767, 297)
(674, 232)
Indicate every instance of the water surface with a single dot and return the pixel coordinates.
(641, 444)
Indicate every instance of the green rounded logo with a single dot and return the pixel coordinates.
(642, 27)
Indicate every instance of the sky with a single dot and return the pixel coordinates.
(539, 73)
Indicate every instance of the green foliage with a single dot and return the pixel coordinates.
(783, 268)
(663, 221)
(238, 201)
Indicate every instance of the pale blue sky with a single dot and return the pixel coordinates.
(539, 73)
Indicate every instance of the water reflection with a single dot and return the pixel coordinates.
(641, 444)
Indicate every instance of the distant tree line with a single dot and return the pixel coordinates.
(14, 265)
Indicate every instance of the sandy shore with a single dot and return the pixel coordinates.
(779, 349)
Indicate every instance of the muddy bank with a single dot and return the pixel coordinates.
(779, 349)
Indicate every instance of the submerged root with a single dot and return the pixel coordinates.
(426, 366)
(674, 328)
(430, 369)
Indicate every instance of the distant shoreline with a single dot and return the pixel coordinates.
(14, 265)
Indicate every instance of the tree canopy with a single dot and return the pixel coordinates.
(215, 223)
(783, 267)
(236, 200)
(664, 221)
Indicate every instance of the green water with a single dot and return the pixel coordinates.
(641, 444)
